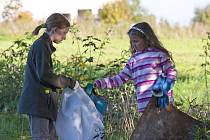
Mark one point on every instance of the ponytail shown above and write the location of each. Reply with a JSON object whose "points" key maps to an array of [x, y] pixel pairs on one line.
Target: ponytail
{"points": [[38, 28], [55, 20]]}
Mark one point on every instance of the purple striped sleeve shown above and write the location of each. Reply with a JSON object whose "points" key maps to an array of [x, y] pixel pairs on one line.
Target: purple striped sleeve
{"points": [[100, 84], [146, 82], [115, 81], [146, 99]]}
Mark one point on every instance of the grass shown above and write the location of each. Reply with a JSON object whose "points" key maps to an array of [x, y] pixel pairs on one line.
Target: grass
{"points": [[14, 127], [185, 51]]}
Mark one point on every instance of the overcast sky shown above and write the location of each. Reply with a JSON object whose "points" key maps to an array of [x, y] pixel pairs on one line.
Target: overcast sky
{"points": [[175, 11]]}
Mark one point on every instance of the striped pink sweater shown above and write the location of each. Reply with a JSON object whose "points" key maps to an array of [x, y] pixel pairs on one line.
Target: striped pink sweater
{"points": [[142, 68]]}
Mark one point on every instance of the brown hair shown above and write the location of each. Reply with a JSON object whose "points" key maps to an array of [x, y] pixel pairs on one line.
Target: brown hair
{"points": [[145, 31], [54, 20]]}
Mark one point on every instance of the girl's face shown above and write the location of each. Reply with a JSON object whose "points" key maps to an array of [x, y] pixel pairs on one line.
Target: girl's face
{"points": [[137, 43], [59, 35]]}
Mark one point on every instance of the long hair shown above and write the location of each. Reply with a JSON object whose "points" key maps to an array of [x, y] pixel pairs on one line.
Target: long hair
{"points": [[55, 20], [144, 30]]}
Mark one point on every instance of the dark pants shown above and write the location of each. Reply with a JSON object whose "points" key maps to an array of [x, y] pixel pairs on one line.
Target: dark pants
{"points": [[42, 128]]}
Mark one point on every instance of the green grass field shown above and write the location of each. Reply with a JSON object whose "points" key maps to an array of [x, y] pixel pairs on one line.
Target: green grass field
{"points": [[185, 51]]}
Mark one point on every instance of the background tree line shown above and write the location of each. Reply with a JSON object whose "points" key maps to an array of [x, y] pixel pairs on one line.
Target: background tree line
{"points": [[117, 14]]}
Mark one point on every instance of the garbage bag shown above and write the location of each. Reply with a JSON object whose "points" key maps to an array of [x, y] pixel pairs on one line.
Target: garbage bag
{"points": [[78, 118]]}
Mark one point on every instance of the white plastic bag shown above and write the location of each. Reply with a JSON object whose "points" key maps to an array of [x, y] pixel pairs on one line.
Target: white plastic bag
{"points": [[78, 118]]}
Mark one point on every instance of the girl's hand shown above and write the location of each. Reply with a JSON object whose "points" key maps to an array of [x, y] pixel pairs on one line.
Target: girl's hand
{"points": [[76, 85], [167, 85]]}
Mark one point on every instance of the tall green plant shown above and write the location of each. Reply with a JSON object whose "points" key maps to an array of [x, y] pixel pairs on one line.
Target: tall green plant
{"points": [[11, 73], [204, 132], [206, 68], [86, 60], [122, 114]]}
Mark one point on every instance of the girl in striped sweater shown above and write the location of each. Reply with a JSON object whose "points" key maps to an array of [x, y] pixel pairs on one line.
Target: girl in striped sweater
{"points": [[148, 61]]}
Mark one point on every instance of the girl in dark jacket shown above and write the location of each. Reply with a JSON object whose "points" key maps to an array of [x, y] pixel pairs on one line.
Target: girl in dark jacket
{"points": [[40, 82]]}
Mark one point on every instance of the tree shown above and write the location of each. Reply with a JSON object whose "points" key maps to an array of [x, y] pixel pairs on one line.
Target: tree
{"points": [[202, 15], [136, 10], [115, 12], [25, 17], [11, 10]]}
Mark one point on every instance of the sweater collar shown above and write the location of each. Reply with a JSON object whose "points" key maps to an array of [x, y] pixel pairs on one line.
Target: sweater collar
{"points": [[143, 51]]}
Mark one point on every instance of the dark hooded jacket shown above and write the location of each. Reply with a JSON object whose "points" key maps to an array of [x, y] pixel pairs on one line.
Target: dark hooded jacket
{"points": [[39, 81]]}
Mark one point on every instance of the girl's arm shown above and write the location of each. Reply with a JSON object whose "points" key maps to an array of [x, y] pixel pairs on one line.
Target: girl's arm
{"points": [[168, 67], [45, 73], [115, 81]]}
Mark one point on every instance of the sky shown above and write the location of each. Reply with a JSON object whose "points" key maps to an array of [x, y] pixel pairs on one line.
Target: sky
{"points": [[175, 11]]}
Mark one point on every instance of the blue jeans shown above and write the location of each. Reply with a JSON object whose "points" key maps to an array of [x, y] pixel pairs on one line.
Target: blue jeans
{"points": [[42, 128]]}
